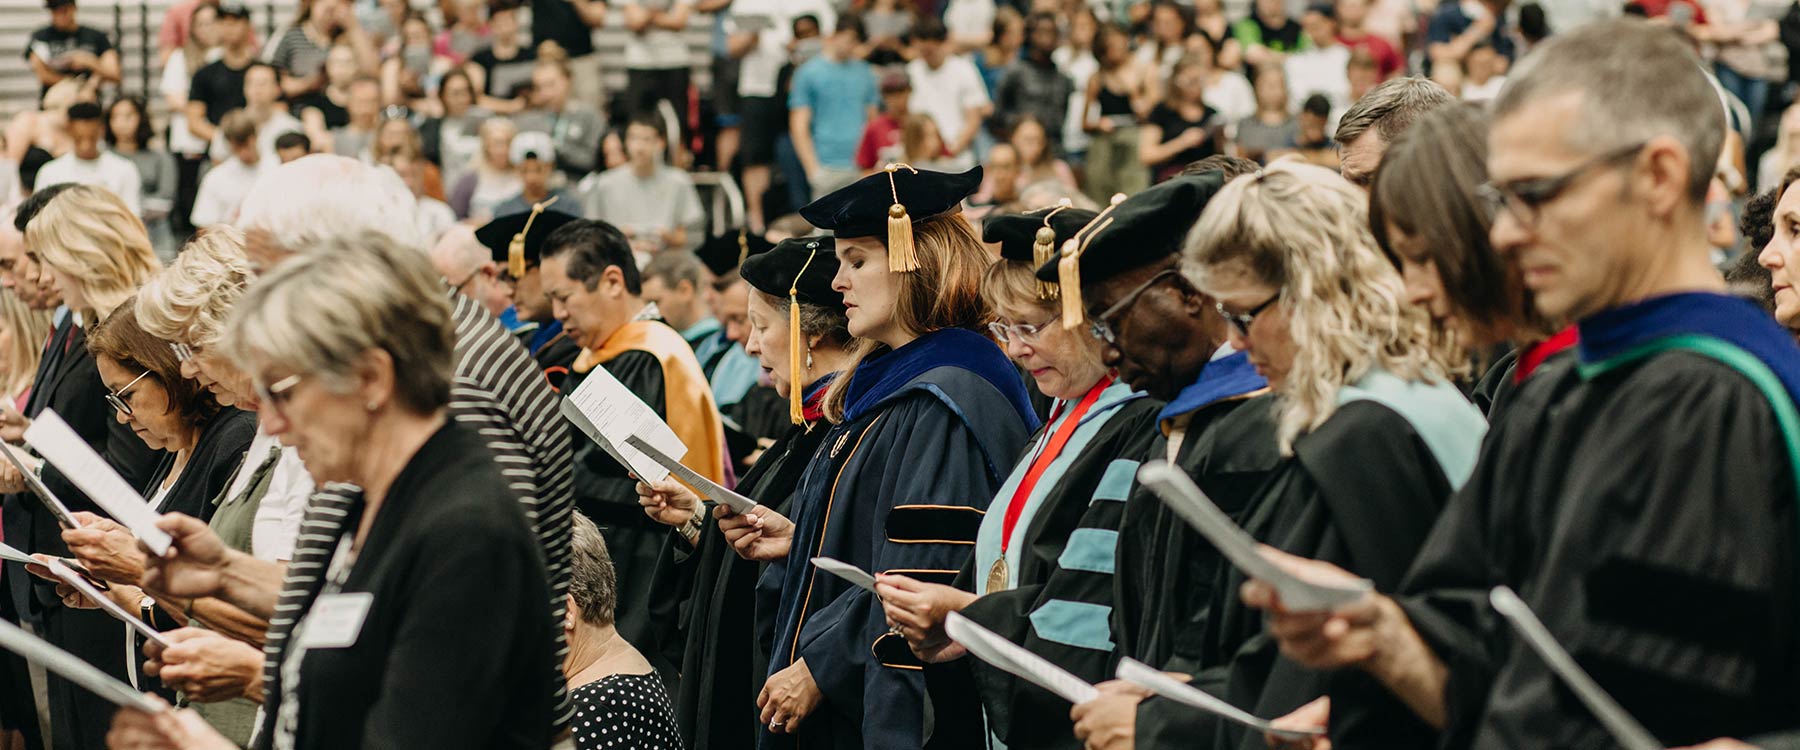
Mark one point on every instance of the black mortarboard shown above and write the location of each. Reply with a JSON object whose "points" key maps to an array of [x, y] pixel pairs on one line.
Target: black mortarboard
{"points": [[1034, 236], [890, 201], [800, 269], [517, 240], [1132, 233], [726, 252]]}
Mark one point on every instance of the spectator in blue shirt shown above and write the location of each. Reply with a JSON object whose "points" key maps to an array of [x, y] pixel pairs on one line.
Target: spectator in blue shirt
{"points": [[834, 96], [1458, 26]]}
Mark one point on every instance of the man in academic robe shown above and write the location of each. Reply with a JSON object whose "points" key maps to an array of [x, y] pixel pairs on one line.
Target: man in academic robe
{"points": [[516, 241], [1165, 338], [594, 287], [1639, 496]]}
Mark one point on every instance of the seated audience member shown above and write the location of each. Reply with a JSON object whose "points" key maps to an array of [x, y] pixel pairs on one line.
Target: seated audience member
{"points": [[224, 186], [536, 159], [653, 203], [86, 163], [619, 700], [291, 146]]}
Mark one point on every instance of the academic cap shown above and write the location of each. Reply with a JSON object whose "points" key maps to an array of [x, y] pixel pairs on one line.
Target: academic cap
{"points": [[517, 240], [891, 200], [801, 270], [1034, 236], [726, 252], [1132, 233]]}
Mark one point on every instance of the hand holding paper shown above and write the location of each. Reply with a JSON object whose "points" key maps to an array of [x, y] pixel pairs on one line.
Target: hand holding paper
{"points": [[855, 575], [1624, 728], [26, 466], [1016, 660], [59, 444], [1187, 500], [705, 487], [80, 584], [1138, 673]]}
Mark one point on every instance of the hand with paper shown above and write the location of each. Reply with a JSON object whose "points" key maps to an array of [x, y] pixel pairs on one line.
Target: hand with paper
{"points": [[106, 549], [164, 730], [1311, 719], [916, 610], [206, 666], [762, 534], [196, 564], [11, 481], [1109, 720], [667, 501]]}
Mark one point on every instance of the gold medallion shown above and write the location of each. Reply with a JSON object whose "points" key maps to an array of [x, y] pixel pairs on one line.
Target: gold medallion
{"points": [[997, 576]]}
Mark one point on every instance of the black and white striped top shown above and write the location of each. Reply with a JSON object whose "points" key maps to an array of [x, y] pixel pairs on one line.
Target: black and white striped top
{"points": [[499, 392]]}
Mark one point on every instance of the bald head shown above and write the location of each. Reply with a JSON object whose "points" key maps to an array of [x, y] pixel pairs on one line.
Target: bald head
{"points": [[458, 254], [309, 201]]}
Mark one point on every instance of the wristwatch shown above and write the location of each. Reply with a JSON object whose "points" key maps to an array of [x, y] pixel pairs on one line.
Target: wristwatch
{"points": [[690, 530]]}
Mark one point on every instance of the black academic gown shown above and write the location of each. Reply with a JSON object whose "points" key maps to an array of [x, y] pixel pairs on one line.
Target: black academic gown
{"points": [[898, 487], [1361, 492], [606, 493], [557, 358], [1648, 516], [1057, 585], [1166, 572], [724, 660], [70, 384]]}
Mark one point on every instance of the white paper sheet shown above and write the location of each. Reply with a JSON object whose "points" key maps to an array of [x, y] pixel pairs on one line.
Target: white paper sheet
{"points": [[73, 669], [53, 438], [610, 413], [50, 500], [856, 576], [69, 576], [1142, 675], [1187, 500], [1630, 734], [10, 553], [706, 487], [1016, 660]]}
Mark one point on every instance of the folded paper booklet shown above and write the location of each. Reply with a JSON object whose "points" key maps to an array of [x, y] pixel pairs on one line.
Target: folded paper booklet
{"points": [[706, 487], [1142, 675], [856, 576], [1623, 727], [10, 553], [1187, 500], [58, 443], [50, 500], [1014, 659], [57, 661], [610, 414], [69, 576]]}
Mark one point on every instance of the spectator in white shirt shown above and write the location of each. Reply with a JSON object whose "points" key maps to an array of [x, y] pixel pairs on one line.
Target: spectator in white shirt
{"points": [[1323, 67], [434, 215], [262, 97], [970, 24], [87, 164], [654, 204], [948, 90], [224, 185]]}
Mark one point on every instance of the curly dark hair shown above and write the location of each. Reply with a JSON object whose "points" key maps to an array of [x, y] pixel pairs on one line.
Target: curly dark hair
{"points": [[144, 130]]}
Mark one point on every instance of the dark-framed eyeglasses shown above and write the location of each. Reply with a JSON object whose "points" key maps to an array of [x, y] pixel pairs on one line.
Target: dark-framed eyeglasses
{"points": [[1101, 327], [1242, 321], [116, 399], [1525, 199], [277, 395], [1026, 332]]}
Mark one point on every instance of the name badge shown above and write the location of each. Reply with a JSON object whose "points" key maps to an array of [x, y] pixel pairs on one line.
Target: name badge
{"points": [[336, 620]]}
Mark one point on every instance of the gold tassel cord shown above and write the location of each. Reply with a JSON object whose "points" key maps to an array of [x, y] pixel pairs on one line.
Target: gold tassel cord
{"points": [[515, 250], [1043, 249], [796, 343], [902, 257], [743, 246], [1068, 270]]}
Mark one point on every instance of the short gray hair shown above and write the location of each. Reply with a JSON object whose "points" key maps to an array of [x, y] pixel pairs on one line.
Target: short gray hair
{"points": [[674, 267], [192, 300], [317, 197], [458, 254], [1390, 109], [593, 583], [1637, 81], [319, 312]]}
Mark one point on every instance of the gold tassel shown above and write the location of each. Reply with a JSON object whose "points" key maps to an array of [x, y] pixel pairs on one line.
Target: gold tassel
{"points": [[902, 257], [1043, 249], [743, 246], [1068, 270], [796, 343], [515, 250]]}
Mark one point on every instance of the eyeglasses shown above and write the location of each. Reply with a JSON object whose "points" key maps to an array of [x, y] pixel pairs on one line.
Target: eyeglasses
{"points": [[1525, 199], [1102, 329], [1241, 321], [1026, 332], [277, 395], [117, 398]]}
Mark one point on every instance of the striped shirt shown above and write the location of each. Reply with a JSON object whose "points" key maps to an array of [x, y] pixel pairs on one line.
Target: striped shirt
{"points": [[500, 393]]}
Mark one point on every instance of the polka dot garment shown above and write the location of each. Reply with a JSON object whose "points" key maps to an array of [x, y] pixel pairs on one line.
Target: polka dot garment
{"points": [[624, 712]]}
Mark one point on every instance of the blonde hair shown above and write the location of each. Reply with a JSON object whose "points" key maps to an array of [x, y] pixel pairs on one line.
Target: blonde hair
{"points": [[945, 292], [1301, 228], [192, 301], [1010, 288], [29, 329], [88, 233]]}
